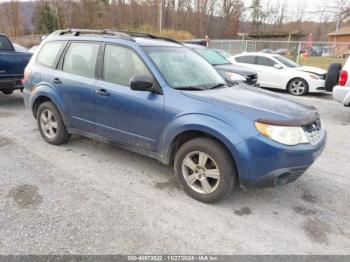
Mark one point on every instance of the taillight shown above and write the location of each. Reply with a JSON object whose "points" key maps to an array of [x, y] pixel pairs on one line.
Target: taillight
{"points": [[343, 78], [25, 76]]}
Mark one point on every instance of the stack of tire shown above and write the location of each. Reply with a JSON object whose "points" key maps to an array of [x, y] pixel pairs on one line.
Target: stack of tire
{"points": [[332, 76]]}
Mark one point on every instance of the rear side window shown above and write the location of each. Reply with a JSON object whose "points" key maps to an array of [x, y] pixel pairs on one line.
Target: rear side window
{"points": [[81, 59], [264, 61], [246, 59], [121, 64], [5, 44], [49, 53]]}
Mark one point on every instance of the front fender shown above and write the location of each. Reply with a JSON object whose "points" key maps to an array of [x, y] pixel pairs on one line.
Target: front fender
{"points": [[203, 123]]}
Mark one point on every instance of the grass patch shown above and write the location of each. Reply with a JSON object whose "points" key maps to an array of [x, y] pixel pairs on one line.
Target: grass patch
{"points": [[320, 61]]}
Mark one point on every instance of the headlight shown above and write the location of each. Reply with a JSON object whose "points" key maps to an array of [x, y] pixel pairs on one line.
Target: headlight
{"points": [[314, 76], [234, 76], [287, 135]]}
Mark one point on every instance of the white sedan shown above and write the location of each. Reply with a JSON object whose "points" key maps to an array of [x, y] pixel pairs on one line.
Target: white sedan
{"points": [[278, 72]]}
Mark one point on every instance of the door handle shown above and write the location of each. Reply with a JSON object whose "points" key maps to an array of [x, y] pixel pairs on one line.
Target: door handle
{"points": [[57, 81], [102, 92]]}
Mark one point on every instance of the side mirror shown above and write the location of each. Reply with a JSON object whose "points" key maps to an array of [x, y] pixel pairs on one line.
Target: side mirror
{"points": [[141, 83], [277, 66]]}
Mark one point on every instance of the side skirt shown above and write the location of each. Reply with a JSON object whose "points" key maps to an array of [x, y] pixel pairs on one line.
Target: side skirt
{"points": [[161, 158]]}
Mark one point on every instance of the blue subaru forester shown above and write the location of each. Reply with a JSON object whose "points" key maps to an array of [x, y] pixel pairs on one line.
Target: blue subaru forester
{"points": [[156, 97]]}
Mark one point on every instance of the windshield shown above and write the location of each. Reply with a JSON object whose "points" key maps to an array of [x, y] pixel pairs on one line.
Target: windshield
{"points": [[211, 56], [183, 68], [286, 61], [223, 53]]}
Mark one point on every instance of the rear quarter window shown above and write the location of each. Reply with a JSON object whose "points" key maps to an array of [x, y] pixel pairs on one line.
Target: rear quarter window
{"points": [[50, 52], [5, 44], [246, 59]]}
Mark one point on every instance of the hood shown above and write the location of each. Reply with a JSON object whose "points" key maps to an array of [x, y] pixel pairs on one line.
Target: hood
{"points": [[259, 104], [244, 71], [312, 69]]}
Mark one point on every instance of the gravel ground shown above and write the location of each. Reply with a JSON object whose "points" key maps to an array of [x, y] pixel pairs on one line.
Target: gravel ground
{"points": [[90, 198]]}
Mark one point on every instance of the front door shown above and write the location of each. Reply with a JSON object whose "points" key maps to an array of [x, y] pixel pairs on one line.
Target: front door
{"points": [[269, 76], [123, 115]]}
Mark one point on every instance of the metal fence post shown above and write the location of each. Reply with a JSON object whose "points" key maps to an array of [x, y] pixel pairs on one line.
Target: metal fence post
{"points": [[298, 53]]}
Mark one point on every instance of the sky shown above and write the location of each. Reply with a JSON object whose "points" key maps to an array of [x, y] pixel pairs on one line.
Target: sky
{"points": [[310, 10]]}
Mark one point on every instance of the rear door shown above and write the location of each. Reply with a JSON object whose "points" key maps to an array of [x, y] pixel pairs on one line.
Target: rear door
{"points": [[247, 60], [130, 117], [75, 81]]}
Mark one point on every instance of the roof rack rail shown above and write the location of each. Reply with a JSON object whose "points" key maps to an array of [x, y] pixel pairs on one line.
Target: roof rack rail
{"points": [[77, 32], [139, 34]]}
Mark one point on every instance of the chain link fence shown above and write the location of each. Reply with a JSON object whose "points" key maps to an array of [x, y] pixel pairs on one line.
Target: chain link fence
{"points": [[27, 40], [320, 54]]}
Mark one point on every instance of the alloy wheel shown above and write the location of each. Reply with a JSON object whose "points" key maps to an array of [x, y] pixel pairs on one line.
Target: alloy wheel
{"points": [[48, 124], [297, 87], [201, 172]]}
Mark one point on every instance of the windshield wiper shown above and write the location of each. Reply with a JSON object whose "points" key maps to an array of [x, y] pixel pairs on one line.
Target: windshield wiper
{"points": [[217, 86], [221, 64], [189, 88]]}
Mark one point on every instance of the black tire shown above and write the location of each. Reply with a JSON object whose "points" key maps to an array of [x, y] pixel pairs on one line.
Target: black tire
{"points": [[332, 76], [295, 80], [61, 135], [7, 91], [221, 187]]}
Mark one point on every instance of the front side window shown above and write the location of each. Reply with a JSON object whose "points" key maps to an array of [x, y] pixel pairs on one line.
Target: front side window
{"points": [[183, 68], [49, 53], [81, 59], [5, 44], [246, 59], [287, 62], [121, 64], [264, 61], [211, 56]]}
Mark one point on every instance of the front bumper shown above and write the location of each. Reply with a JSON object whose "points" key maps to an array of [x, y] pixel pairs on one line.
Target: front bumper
{"points": [[267, 163], [341, 94], [316, 86]]}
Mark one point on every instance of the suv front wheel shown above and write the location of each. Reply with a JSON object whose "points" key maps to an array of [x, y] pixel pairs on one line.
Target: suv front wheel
{"points": [[50, 124], [205, 169]]}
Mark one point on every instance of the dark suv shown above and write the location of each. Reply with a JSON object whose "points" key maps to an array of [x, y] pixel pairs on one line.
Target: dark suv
{"points": [[232, 73], [156, 97]]}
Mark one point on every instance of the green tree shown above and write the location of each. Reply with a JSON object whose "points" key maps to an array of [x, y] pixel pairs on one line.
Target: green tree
{"points": [[45, 18], [255, 10]]}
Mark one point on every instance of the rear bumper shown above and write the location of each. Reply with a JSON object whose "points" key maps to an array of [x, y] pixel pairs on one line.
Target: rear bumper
{"points": [[341, 94], [10, 84], [267, 163]]}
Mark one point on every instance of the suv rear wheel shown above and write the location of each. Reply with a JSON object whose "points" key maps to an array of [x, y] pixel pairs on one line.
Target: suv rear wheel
{"points": [[205, 170], [50, 124]]}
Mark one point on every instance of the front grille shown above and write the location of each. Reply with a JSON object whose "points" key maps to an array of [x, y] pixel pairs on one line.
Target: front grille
{"points": [[314, 132]]}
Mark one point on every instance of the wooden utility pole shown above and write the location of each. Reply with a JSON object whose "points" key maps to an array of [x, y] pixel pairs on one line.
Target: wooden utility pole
{"points": [[160, 15]]}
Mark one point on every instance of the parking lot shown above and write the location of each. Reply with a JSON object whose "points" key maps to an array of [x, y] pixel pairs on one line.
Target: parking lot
{"points": [[90, 198]]}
